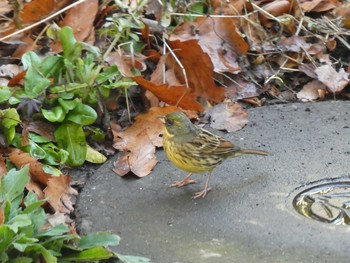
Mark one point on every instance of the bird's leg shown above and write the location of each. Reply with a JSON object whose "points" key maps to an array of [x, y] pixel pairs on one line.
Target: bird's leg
{"points": [[184, 181], [206, 189]]}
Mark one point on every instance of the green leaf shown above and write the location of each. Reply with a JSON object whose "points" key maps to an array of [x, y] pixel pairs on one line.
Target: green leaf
{"points": [[51, 65], [10, 118], [6, 237], [37, 138], [110, 74], [68, 88], [70, 137], [31, 202], [82, 114], [54, 155], [5, 94], [21, 260], [37, 248], [68, 105], [19, 221], [13, 184], [36, 151], [92, 254], [57, 230], [68, 42], [9, 121], [98, 239], [56, 114], [52, 170], [34, 80], [14, 100], [30, 59]]}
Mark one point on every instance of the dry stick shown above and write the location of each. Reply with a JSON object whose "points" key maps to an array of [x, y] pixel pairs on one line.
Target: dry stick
{"points": [[334, 27], [42, 21], [265, 12], [40, 35], [181, 66], [133, 64], [214, 16]]}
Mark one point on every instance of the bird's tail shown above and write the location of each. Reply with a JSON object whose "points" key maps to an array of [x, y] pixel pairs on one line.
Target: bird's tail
{"points": [[248, 151]]}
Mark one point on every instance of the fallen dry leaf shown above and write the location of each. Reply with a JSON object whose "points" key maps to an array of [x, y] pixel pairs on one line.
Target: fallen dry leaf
{"points": [[125, 62], [57, 190], [275, 8], [198, 69], [298, 44], [5, 7], [3, 169], [172, 95], [218, 37], [80, 18], [242, 89], [42, 128], [319, 5], [35, 187], [312, 91], [138, 143], [140, 161], [335, 81], [37, 9], [308, 69], [59, 194], [228, 116], [20, 158]]}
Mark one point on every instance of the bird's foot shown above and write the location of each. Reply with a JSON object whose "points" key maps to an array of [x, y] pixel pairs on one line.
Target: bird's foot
{"points": [[202, 193], [183, 183]]}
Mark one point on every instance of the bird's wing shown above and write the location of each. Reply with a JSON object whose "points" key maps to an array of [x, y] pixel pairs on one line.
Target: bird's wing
{"points": [[207, 142]]}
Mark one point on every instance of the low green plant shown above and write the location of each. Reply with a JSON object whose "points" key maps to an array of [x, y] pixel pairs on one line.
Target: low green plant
{"points": [[64, 89], [26, 235]]}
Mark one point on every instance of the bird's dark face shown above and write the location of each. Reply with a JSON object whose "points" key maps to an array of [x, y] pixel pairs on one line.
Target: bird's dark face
{"points": [[176, 123]]}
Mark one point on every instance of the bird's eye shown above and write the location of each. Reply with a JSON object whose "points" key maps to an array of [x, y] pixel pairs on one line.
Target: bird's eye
{"points": [[168, 122]]}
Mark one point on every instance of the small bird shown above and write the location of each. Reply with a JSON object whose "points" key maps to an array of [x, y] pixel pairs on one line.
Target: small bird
{"points": [[196, 150]]}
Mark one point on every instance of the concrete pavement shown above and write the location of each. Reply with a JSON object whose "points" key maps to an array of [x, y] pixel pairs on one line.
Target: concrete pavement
{"points": [[249, 214]]}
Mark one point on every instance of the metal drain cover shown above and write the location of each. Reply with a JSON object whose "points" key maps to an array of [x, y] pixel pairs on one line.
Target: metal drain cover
{"points": [[326, 201]]}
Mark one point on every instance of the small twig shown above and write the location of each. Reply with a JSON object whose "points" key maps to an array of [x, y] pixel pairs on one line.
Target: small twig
{"points": [[131, 51], [274, 76], [40, 35], [178, 61], [42, 21], [180, 65], [265, 12], [133, 64], [204, 15]]}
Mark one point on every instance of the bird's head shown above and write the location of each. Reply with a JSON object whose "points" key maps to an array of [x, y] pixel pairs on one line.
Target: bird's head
{"points": [[176, 123]]}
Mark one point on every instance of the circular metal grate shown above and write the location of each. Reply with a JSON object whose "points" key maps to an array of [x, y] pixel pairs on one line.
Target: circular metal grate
{"points": [[327, 202]]}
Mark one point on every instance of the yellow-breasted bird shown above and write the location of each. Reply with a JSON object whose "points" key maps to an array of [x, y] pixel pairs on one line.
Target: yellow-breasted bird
{"points": [[196, 150]]}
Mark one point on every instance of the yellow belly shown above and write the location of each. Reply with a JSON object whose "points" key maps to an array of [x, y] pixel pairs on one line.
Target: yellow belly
{"points": [[188, 164]]}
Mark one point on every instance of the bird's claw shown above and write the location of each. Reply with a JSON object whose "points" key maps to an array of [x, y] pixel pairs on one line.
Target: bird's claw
{"points": [[183, 183], [202, 193]]}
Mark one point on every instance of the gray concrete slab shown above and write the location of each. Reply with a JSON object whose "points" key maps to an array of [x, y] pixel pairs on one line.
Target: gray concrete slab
{"points": [[248, 216]]}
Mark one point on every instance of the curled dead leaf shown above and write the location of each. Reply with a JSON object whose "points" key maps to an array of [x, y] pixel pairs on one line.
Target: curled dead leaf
{"points": [[312, 91], [334, 81], [59, 194], [138, 143], [228, 116]]}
